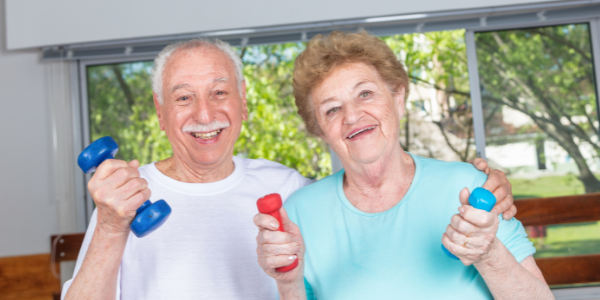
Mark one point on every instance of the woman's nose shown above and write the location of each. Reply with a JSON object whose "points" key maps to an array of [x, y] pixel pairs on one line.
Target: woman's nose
{"points": [[352, 114]]}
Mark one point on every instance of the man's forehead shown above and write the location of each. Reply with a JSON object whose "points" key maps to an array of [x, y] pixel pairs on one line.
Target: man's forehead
{"points": [[209, 63], [187, 85]]}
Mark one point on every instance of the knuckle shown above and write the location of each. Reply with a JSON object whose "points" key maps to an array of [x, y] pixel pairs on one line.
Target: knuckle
{"points": [[503, 191], [270, 262], [139, 197], [267, 235], [256, 219], [487, 219], [138, 183], [260, 239], [120, 173]]}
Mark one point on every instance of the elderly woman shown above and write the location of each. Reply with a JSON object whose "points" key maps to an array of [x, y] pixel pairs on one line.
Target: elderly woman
{"points": [[373, 230]]}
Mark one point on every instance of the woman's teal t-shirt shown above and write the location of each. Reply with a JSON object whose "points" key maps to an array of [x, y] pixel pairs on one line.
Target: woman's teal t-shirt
{"points": [[395, 254]]}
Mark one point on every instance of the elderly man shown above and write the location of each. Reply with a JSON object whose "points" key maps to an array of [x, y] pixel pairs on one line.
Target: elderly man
{"points": [[206, 250]]}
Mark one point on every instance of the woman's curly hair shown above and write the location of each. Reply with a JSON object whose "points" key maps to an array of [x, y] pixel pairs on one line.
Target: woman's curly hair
{"points": [[324, 53]]}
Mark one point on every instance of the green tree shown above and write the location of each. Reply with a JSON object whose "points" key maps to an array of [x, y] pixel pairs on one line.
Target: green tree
{"points": [[547, 74], [438, 60]]}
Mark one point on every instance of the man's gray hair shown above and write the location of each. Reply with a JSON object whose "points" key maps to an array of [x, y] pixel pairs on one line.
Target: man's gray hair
{"points": [[161, 60]]}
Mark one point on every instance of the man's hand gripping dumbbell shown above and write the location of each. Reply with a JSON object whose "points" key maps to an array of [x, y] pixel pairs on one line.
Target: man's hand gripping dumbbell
{"points": [[121, 196]]}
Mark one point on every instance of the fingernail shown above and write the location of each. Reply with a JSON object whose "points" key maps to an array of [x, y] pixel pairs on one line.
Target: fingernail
{"points": [[274, 225], [292, 257], [461, 209]]}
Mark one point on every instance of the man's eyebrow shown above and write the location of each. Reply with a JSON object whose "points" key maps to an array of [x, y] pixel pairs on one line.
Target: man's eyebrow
{"points": [[179, 86]]}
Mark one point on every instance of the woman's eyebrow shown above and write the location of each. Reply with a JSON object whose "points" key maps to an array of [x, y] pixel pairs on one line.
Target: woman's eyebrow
{"points": [[361, 83], [326, 100]]}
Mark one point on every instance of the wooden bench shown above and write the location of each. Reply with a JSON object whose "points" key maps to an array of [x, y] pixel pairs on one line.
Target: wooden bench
{"points": [[65, 247], [531, 212], [564, 210]]}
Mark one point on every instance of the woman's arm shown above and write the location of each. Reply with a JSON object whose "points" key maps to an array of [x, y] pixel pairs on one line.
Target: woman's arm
{"points": [[471, 236], [507, 279]]}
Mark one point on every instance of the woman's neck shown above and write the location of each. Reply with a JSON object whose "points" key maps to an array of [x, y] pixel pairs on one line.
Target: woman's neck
{"points": [[378, 186]]}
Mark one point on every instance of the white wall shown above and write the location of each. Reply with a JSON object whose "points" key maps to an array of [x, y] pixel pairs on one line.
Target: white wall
{"points": [[35, 23], [34, 202]]}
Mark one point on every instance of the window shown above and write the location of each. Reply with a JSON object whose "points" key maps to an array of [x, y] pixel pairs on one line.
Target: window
{"points": [[541, 121]]}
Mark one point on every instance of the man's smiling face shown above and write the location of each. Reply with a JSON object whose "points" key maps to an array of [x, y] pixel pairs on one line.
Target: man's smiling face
{"points": [[203, 105]]}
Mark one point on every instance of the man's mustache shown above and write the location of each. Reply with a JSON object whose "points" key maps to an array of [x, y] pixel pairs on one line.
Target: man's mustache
{"points": [[212, 126]]}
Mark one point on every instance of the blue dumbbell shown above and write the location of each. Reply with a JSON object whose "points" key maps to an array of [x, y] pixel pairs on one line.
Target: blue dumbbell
{"points": [[480, 198], [150, 215]]}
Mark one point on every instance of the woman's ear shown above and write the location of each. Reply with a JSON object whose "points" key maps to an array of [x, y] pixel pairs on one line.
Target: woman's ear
{"points": [[400, 101]]}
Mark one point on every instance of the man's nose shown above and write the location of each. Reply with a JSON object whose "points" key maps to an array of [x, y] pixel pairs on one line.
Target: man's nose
{"points": [[204, 112]]}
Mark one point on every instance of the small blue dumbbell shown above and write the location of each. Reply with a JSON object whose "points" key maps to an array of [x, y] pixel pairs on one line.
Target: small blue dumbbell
{"points": [[150, 215], [480, 198]]}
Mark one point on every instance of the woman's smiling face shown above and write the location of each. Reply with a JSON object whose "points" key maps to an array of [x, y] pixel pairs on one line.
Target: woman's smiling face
{"points": [[358, 113]]}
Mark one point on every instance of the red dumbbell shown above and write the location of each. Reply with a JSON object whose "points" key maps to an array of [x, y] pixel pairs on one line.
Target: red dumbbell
{"points": [[270, 204]]}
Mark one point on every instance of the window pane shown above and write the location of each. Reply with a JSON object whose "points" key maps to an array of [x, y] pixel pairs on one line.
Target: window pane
{"points": [[438, 121], [541, 121], [121, 105]]}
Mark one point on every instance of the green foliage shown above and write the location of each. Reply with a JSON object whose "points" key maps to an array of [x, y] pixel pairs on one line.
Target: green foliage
{"points": [[546, 74], [437, 60], [121, 105], [274, 129], [541, 71]]}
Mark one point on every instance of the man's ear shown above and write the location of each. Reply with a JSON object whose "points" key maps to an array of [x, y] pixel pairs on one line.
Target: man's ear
{"points": [[244, 102], [158, 113]]}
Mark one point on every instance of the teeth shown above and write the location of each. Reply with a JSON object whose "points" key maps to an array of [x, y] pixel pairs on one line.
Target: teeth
{"points": [[206, 136], [362, 130]]}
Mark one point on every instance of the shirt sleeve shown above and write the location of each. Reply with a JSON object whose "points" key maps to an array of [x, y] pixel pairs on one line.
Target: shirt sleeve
{"points": [[310, 294], [297, 181], [512, 234], [82, 252]]}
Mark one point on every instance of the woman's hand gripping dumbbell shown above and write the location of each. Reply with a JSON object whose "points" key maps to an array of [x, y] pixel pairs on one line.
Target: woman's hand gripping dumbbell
{"points": [[475, 223], [280, 246], [121, 196]]}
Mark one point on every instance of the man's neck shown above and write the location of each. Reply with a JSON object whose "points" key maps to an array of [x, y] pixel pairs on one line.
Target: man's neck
{"points": [[183, 171]]}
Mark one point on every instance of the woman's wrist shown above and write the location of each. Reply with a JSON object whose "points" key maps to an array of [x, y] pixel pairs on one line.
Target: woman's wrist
{"points": [[291, 290], [494, 258]]}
